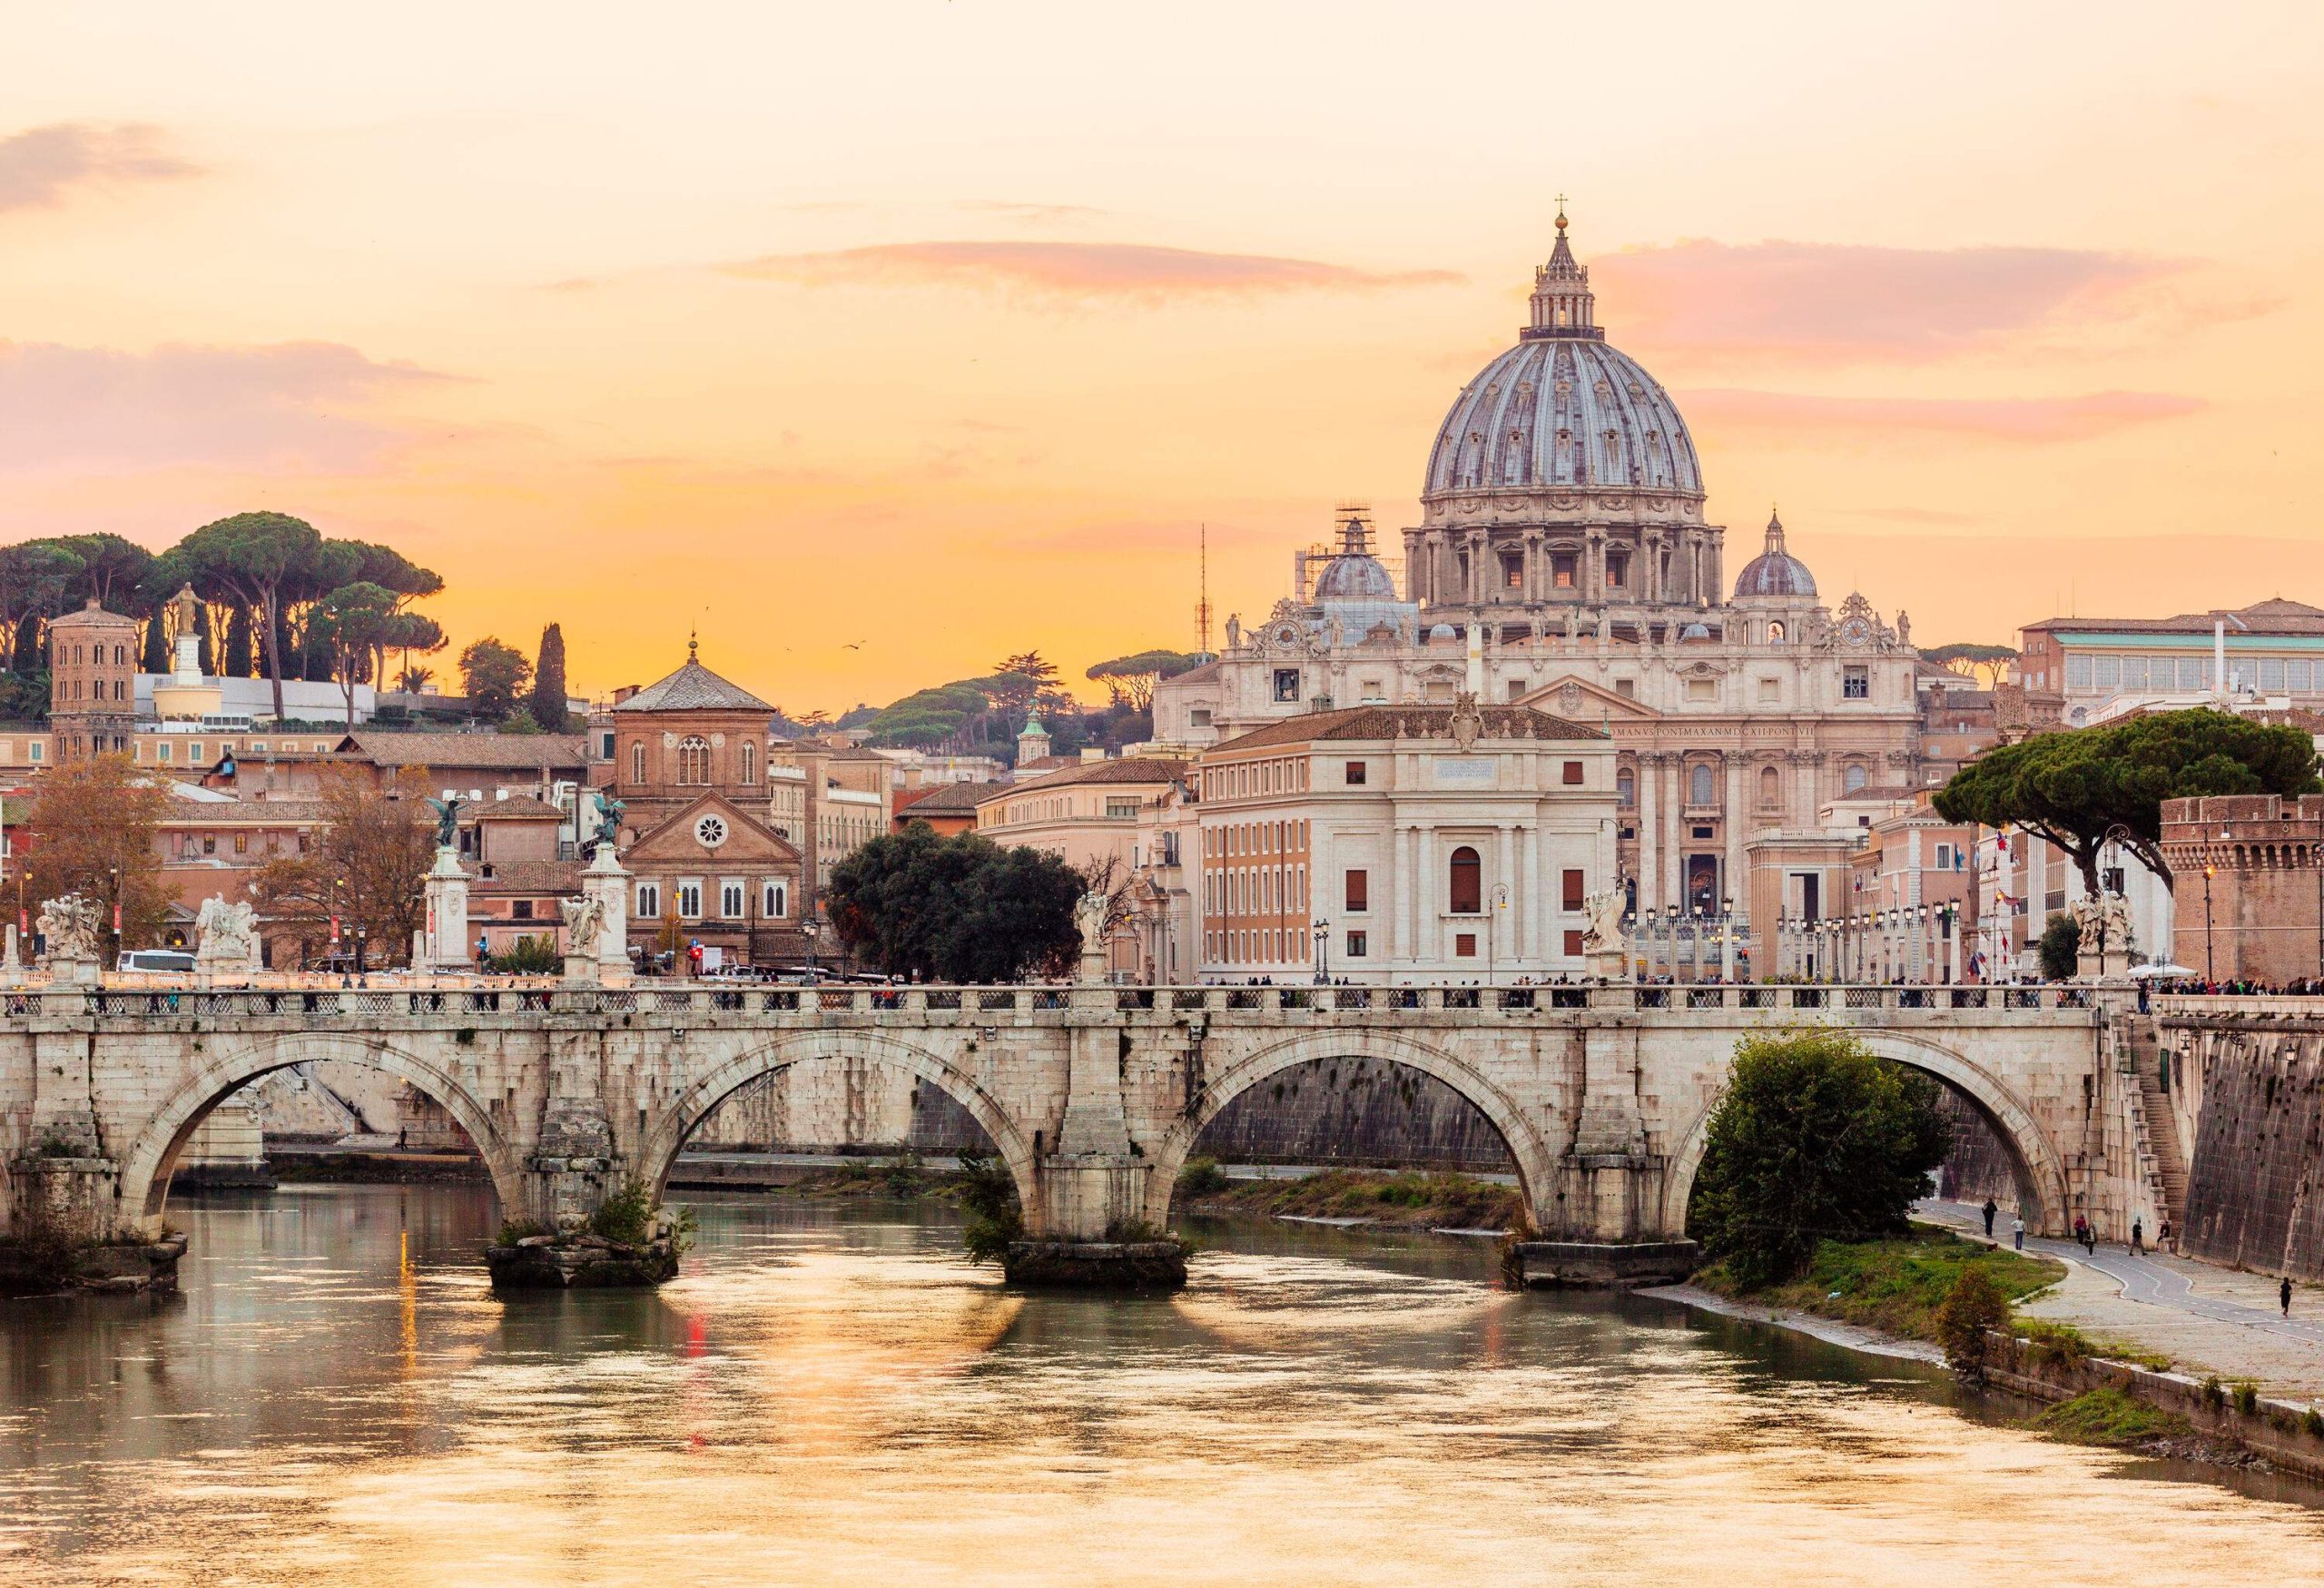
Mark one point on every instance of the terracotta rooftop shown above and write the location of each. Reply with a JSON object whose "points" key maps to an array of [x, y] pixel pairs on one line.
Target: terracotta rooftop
{"points": [[1143, 769], [950, 799], [527, 876], [694, 688], [2274, 616], [497, 752], [523, 807], [1407, 722]]}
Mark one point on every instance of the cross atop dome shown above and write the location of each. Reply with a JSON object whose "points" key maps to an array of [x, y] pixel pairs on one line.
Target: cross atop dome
{"points": [[1562, 303]]}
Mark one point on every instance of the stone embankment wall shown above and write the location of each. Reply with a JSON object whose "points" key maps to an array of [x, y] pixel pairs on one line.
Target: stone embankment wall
{"points": [[1979, 1166], [2253, 1193]]}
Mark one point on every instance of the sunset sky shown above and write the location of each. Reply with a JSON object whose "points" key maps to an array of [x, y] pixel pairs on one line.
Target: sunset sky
{"points": [[938, 327]]}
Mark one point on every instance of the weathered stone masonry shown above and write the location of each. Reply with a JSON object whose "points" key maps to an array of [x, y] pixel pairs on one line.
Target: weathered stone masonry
{"points": [[1093, 1096]]}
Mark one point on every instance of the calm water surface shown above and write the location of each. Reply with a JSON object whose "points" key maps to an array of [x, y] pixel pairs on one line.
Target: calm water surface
{"points": [[833, 1396]]}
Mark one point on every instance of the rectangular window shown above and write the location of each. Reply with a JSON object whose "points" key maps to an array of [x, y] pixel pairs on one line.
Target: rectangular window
{"points": [[2296, 674], [605, 746], [690, 900], [1359, 890], [1354, 775], [2078, 672], [1286, 683], [1571, 777], [2134, 672], [241, 843], [1564, 569], [210, 846], [730, 899], [520, 909], [192, 752], [772, 902], [1618, 570], [1626, 688], [1121, 809], [161, 754], [2106, 671], [1573, 946], [1855, 684], [1944, 857], [2271, 673], [1200, 716], [1570, 889], [1770, 689], [1359, 944], [2193, 672], [35, 748], [1465, 945], [649, 901]]}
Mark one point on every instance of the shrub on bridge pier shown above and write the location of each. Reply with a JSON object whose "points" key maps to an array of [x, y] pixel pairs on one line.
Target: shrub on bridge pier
{"points": [[1815, 1139]]}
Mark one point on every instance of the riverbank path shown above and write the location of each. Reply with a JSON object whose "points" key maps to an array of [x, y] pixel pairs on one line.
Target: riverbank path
{"points": [[2205, 1318]]}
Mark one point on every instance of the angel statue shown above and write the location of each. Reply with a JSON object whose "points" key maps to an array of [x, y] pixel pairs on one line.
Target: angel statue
{"points": [[69, 927], [609, 815], [584, 923], [1606, 909], [447, 820]]}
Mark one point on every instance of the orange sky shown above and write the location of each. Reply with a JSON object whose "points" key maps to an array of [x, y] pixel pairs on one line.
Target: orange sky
{"points": [[939, 327]]}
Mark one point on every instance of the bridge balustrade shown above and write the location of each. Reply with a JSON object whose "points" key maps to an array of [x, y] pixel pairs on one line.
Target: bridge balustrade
{"points": [[1517, 997], [1968, 997], [991, 1001], [1352, 998], [1184, 999], [1131, 999], [835, 1000], [1706, 998], [1653, 997], [943, 997]]}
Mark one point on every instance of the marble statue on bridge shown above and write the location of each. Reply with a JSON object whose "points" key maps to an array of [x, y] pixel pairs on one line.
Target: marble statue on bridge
{"points": [[69, 927], [229, 933]]}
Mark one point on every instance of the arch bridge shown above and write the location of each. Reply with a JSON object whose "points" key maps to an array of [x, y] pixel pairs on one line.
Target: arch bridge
{"points": [[1093, 1095]]}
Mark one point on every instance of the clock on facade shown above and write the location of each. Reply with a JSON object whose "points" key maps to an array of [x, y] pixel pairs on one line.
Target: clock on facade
{"points": [[710, 831], [1857, 631]]}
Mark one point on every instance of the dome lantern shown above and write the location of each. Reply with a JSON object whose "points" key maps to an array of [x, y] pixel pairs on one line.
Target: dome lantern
{"points": [[1562, 303]]}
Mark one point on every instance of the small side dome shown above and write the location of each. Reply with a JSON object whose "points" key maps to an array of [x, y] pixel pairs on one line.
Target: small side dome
{"points": [[1442, 631], [1355, 578], [1775, 574], [1694, 631]]}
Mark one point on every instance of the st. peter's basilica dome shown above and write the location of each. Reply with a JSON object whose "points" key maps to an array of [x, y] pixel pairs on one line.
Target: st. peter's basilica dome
{"points": [[1561, 411]]}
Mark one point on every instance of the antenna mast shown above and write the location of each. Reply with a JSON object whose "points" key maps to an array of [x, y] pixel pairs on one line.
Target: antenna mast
{"points": [[1202, 607]]}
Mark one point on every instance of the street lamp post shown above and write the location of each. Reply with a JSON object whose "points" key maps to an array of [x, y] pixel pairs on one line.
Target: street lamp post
{"points": [[1323, 929], [2207, 976], [812, 931], [1499, 902], [1726, 937]]}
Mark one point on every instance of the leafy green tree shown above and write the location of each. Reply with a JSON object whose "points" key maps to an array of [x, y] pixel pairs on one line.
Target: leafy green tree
{"points": [[34, 578], [2074, 788], [1992, 661], [155, 657], [1814, 1139], [2059, 949], [520, 722], [253, 560], [113, 571], [241, 645], [957, 909], [347, 625], [1965, 1320], [1129, 680], [494, 674], [989, 1198], [548, 707]]}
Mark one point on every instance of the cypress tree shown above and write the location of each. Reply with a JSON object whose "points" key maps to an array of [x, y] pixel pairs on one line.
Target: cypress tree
{"points": [[241, 653], [548, 681], [157, 658]]}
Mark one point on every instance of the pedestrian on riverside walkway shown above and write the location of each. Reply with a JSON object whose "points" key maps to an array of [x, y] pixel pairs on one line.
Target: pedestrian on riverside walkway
{"points": [[2162, 1234], [1992, 1208], [2017, 1230], [2137, 1236], [2080, 1231], [2283, 1295]]}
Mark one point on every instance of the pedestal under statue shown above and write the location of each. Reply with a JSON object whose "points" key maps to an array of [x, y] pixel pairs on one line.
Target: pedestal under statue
{"points": [[448, 914]]}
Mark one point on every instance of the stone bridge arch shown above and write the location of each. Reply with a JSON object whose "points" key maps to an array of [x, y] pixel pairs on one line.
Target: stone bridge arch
{"points": [[1528, 1148], [658, 1152], [2039, 1167], [238, 1060]]}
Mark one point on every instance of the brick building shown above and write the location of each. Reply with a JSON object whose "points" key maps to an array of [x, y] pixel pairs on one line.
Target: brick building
{"points": [[92, 682], [2248, 881]]}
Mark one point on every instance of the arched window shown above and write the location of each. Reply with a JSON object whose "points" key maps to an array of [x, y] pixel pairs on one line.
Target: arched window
{"points": [[1626, 788], [694, 760], [1770, 788], [750, 763], [638, 761], [1854, 778], [1701, 787], [1468, 893]]}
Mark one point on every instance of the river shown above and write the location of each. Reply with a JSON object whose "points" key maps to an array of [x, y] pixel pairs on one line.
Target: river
{"points": [[832, 1396]]}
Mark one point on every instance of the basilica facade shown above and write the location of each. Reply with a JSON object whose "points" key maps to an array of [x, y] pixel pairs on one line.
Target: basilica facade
{"points": [[1564, 561]]}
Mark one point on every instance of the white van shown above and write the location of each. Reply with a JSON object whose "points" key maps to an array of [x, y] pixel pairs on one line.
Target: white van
{"points": [[165, 959]]}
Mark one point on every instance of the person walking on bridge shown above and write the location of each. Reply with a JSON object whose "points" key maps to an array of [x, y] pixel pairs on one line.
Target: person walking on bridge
{"points": [[1991, 1208]]}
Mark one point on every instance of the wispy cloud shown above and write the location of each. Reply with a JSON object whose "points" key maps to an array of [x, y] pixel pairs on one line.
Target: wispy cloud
{"points": [[1036, 214], [1804, 417], [1076, 269], [1833, 302], [41, 166], [293, 406]]}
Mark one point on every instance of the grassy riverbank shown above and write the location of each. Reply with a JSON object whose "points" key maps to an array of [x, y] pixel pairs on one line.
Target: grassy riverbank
{"points": [[1406, 1199], [1895, 1286]]}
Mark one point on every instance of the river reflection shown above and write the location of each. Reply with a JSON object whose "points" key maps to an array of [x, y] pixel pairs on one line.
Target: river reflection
{"points": [[834, 1396]]}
